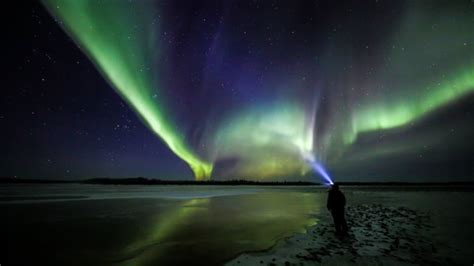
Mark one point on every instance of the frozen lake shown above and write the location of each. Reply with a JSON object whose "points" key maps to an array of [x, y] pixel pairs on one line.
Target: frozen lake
{"points": [[71, 224]]}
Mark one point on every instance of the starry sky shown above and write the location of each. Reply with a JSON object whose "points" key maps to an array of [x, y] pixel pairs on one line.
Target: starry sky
{"points": [[372, 90]]}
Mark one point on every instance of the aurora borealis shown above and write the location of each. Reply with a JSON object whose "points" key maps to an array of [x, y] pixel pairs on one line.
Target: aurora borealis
{"points": [[125, 55], [252, 89]]}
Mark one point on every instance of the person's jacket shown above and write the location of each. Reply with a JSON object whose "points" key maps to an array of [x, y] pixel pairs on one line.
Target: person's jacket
{"points": [[336, 200]]}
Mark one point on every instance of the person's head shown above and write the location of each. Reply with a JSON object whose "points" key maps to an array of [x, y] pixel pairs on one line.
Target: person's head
{"points": [[335, 186]]}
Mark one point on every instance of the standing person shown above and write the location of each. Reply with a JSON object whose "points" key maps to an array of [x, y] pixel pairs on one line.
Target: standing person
{"points": [[336, 204]]}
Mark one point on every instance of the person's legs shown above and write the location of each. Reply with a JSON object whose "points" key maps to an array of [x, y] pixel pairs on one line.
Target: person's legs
{"points": [[343, 222], [337, 221]]}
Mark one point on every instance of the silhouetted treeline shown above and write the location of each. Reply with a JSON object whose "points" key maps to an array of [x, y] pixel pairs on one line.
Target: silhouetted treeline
{"points": [[151, 181], [454, 183], [147, 181]]}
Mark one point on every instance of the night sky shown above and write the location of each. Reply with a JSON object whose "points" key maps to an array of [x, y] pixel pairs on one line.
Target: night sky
{"points": [[261, 90]]}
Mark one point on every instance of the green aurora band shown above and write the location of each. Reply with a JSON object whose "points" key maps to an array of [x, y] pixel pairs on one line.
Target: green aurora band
{"points": [[378, 117], [411, 60], [106, 33]]}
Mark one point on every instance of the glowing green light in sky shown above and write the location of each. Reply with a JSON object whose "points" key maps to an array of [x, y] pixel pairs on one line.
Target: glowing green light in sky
{"points": [[122, 45], [385, 116], [425, 63], [269, 139]]}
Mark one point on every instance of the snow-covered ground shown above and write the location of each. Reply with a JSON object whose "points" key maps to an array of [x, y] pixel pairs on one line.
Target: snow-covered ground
{"points": [[399, 227]]}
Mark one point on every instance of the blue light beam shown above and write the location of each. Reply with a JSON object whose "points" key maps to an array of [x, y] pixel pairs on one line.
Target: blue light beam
{"points": [[319, 168]]}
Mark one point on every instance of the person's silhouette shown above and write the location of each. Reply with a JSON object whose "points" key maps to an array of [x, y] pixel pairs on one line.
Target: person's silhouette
{"points": [[336, 203]]}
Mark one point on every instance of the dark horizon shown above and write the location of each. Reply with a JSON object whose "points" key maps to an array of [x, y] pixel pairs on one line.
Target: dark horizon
{"points": [[155, 181]]}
